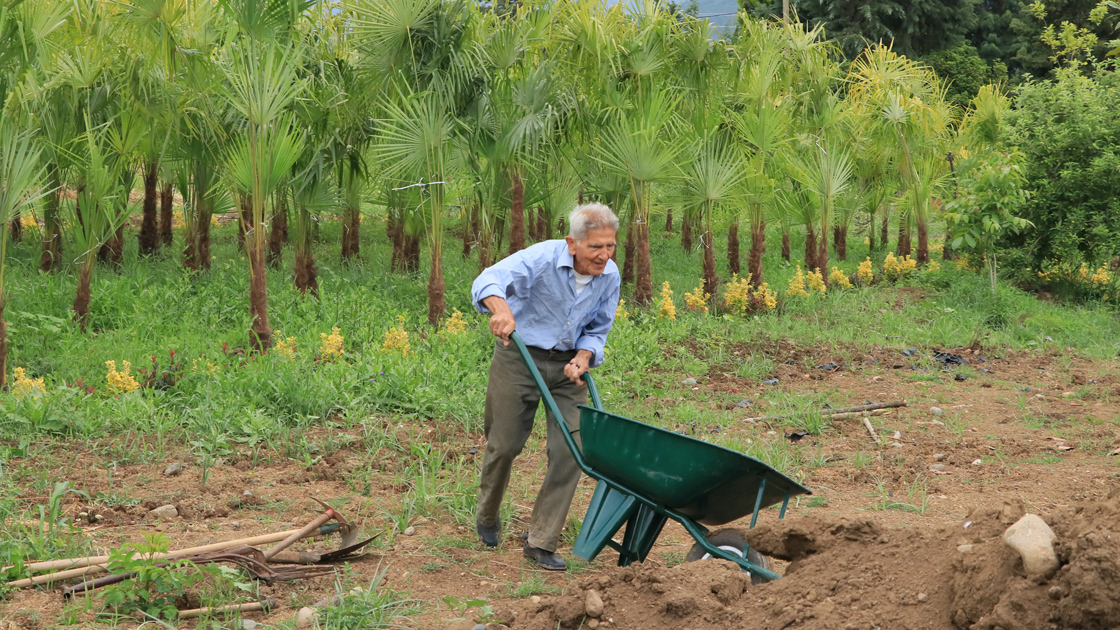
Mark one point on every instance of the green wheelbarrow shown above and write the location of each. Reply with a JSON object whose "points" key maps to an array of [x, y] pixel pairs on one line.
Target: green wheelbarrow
{"points": [[647, 475]]}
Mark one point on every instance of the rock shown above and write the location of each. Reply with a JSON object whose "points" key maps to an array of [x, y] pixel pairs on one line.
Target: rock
{"points": [[235, 526], [462, 624], [897, 435], [937, 411], [1032, 343], [772, 381], [173, 469], [246, 493], [1034, 540], [164, 512], [536, 599], [977, 462], [689, 381], [877, 379], [592, 623], [593, 605], [410, 531], [938, 457], [896, 444], [964, 548], [249, 624], [960, 377], [305, 618], [1055, 592], [478, 626], [1049, 339], [922, 597], [938, 467], [743, 404]]}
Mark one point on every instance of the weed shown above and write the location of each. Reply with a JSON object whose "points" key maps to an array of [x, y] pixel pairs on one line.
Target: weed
{"points": [[535, 584]]}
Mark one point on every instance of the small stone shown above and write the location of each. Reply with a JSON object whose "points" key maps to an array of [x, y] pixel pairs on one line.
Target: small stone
{"points": [[97, 517], [937, 411], [305, 618], [246, 494], [922, 597], [235, 526], [1034, 540], [897, 435], [410, 531], [877, 379], [249, 624], [938, 457], [164, 511], [960, 377], [1049, 339], [896, 444], [173, 469], [592, 623], [479, 626], [462, 624], [593, 605], [1039, 397], [938, 467], [772, 381], [536, 599], [743, 404], [689, 381], [1055, 592], [977, 462], [964, 548], [83, 514]]}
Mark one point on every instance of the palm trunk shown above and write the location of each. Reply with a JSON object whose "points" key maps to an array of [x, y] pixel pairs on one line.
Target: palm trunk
{"points": [[50, 258], [470, 230], [733, 262], [542, 225], [260, 332], [351, 222], [166, 214], [306, 274], [16, 228], [686, 234], [517, 213], [204, 239], [394, 229], [840, 241], [884, 231], [191, 260], [785, 244], [276, 235], [81, 297], [903, 247], [810, 248], [946, 250], [758, 248], [436, 305], [149, 222], [112, 252], [643, 276], [412, 253], [871, 233], [244, 220], [711, 282], [628, 260], [923, 243], [669, 221]]}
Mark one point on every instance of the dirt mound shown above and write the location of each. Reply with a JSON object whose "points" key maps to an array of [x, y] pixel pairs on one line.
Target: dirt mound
{"points": [[848, 574]]}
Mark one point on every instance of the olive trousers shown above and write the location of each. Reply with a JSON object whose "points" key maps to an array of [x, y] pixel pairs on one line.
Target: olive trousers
{"points": [[512, 399]]}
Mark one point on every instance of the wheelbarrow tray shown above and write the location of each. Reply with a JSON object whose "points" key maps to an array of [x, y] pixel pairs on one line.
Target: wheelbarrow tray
{"points": [[707, 483]]}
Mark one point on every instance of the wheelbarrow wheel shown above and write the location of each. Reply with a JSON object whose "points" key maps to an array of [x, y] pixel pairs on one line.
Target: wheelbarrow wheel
{"points": [[733, 541]]}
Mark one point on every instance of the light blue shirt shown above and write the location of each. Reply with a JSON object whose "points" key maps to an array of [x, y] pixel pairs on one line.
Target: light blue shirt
{"points": [[539, 285]]}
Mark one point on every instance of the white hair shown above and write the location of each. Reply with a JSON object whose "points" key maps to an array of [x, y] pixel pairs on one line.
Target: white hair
{"points": [[590, 216]]}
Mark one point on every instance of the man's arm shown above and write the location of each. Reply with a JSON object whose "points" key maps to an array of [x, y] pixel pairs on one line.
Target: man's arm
{"points": [[593, 338], [501, 318]]}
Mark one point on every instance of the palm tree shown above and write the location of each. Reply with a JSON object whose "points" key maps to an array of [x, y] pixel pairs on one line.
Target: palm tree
{"points": [[21, 172], [261, 87]]}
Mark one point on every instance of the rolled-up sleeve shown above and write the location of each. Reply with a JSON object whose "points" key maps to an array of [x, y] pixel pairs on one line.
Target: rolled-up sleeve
{"points": [[594, 335], [512, 275]]}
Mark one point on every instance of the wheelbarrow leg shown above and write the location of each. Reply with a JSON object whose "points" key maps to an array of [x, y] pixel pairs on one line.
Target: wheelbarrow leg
{"points": [[608, 511], [642, 531]]}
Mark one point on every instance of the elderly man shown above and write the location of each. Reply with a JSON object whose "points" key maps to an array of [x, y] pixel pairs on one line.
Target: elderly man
{"points": [[561, 296]]}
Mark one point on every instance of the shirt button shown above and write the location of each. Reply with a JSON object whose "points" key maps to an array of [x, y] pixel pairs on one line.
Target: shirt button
{"points": [[569, 323]]}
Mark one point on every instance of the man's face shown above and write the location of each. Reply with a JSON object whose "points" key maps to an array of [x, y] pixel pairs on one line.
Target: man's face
{"points": [[591, 254]]}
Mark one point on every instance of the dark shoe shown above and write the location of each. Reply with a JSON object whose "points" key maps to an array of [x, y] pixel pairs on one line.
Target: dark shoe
{"points": [[489, 535], [546, 559]]}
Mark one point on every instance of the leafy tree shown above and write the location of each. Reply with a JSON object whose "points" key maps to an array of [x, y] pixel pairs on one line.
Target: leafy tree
{"points": [[964, 72]]}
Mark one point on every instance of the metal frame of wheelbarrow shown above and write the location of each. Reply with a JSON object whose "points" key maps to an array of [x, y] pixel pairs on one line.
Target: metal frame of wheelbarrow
{"points": [[614, 505]]}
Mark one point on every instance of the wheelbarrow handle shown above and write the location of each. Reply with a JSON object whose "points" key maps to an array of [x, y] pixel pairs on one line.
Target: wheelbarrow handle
{"points": [[550, 402]]}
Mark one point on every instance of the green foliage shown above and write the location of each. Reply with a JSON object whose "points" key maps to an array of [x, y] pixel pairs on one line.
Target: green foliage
{"points": [[991, 195], [965, 71], [1068, 132], [367, 609], [154, 589]]}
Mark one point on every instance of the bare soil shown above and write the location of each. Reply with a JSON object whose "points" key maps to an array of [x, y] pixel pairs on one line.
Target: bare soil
{"points": [[883, 527]]}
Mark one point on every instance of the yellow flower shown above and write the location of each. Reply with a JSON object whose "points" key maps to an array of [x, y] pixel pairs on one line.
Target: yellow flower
{"points": [[286, 346], [768, 298], [737, 294], [865, 274], [666, 309], [455, 325], [839, 279], [331, 348], [620, 313], [396, 339], [867, 241], [120, 382], [797, 284], [816, 280], [697, 300], [934, 266], [25, 386], [1101, 276]]}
